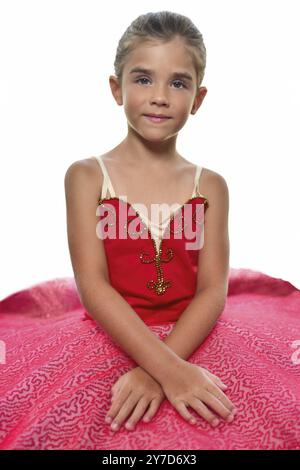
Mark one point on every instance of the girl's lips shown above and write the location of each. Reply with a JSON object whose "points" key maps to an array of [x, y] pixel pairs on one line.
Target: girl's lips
{"points": [[157, 119]]}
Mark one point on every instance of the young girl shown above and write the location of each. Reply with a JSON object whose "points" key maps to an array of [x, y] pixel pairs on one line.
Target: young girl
{"points": [[128, 283], [157, 327]]}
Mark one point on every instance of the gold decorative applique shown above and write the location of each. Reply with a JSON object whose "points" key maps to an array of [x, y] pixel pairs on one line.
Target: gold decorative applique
{"points": [[160, 285]]}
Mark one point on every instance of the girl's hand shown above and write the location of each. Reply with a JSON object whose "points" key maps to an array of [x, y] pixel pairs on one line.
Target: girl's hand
{"points": [[194, 386], [134, 391]]}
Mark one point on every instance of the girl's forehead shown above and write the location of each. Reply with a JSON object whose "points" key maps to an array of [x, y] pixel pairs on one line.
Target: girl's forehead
{"points": [[150, 45], [153, 56]]}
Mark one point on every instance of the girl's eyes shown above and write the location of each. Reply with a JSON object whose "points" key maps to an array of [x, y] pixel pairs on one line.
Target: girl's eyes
{"points": [[145, 78]]}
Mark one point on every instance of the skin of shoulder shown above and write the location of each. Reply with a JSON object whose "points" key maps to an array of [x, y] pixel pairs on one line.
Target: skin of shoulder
{"points": [[82, 186], [213, 263]]}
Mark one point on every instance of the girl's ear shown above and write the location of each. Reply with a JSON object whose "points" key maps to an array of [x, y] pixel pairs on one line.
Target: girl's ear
{"points": [[116, 89], [202, 91]]}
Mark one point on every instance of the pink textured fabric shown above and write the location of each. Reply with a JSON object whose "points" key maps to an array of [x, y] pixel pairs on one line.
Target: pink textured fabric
{"points": [[60, 366]]}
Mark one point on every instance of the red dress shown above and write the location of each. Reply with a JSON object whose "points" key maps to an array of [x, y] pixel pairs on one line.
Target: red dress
{"points": [[156, 275], [57, 365]]}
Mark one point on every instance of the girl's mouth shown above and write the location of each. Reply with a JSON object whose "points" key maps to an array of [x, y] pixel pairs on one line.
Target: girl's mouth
{"points": [[157, 119]]}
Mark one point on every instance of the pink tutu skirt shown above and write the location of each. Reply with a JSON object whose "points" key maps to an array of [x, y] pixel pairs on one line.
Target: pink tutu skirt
{"points": [[57, 368]]}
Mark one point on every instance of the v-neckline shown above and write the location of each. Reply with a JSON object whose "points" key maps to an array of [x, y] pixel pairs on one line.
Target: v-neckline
{"points": [[160, 238], [135, 204], [143, 218], [149, 222]]}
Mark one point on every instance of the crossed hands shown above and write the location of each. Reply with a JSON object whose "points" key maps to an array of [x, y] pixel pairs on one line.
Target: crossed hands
{"points": [[137, 392]]}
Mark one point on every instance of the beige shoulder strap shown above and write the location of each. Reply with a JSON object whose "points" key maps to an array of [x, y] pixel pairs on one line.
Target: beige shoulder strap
{"points": [[197, 181], [107, 185]]}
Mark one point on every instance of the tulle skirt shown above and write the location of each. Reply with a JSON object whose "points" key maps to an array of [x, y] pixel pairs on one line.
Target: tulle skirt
{"points": [[57, 368]]}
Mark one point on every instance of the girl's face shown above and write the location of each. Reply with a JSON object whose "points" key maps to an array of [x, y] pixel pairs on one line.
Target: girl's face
{"points": [[151, 84]]}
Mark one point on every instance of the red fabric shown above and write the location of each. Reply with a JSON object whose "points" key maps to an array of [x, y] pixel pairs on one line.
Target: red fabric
{"points": [[129, 275], [60, 367]]}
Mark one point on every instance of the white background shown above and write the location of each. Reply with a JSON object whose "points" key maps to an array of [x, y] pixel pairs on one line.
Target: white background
{"points": [[56, 107]]}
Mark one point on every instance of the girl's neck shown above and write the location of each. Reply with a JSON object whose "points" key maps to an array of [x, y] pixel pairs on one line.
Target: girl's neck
{"points": [[149, 155]]}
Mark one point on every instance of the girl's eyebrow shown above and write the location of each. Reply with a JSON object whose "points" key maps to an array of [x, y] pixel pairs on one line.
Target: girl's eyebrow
{"points": [[149, 72]]}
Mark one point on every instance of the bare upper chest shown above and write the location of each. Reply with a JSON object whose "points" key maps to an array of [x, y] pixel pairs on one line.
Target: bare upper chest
{"points": [[167, 186]]}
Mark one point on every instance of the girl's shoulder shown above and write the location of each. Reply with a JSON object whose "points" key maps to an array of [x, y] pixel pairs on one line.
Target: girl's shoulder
{"points": [[211, 177], [91, 166], [214, 186], [208, 177], [94, 164], [85, 172], [212, 183], [208, 181]]}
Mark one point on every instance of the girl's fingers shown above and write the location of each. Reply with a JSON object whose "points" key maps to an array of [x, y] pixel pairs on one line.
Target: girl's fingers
{"points": [[221, 385], [154, 405], [114, 389], [202, 410], [220, 395], [183, 411], [117, 404], [199, 407], [217, 380], [218, 406], [123, 413], [138, 412]]}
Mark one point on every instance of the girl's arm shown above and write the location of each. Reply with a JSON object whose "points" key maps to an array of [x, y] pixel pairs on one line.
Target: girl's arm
{"points": [[99, 298], [200, 316]]}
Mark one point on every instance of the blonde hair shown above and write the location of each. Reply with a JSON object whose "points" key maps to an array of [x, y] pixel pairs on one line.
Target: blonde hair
{"points": [[162, 25]]}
